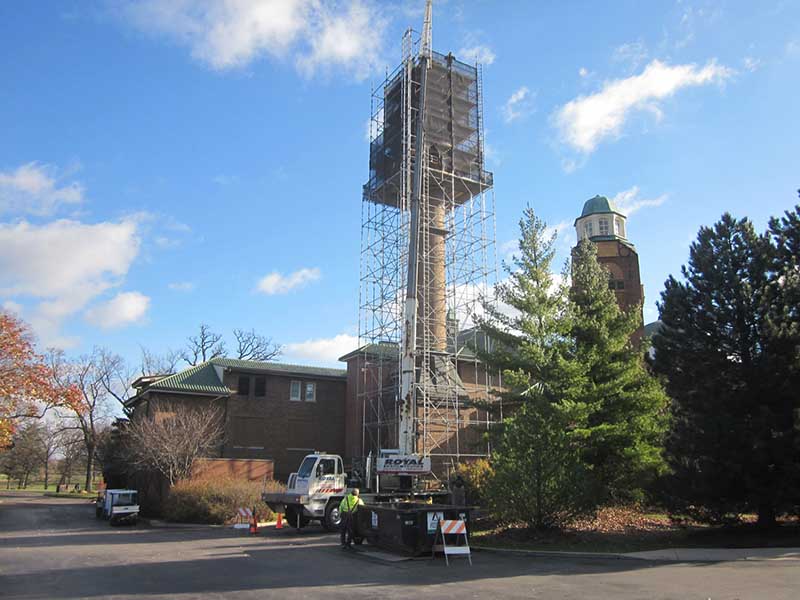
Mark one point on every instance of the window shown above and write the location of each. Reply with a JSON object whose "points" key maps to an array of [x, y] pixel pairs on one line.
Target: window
{"points": [[260, 387], [620, 227], [311, 389], [307, 466], [244, 385], [294, 393], [588, 229], [326, 466], [603, 226]]}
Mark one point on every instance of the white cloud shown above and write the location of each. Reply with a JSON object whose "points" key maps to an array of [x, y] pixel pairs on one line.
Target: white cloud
{"points": [[588, 120], [12, 307], [63, 265], [123, 309], [35, 189], [518, 105], [231, 34], [477, 54], [493, 156], [181, 286], [632, 54], [793, 48], [583, 72], [276, 283], [350, 38], [629, 202], [751, 64], [322, 350]]}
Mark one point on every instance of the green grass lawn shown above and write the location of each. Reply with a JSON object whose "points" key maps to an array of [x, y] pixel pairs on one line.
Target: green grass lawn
{"points": [[38, 486]]}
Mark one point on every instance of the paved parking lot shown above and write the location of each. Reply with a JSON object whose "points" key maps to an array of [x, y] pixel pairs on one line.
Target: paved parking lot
{"points": [[54, 548]]}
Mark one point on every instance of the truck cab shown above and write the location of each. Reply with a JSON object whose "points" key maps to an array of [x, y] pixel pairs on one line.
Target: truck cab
{"points": [[314, 492]]}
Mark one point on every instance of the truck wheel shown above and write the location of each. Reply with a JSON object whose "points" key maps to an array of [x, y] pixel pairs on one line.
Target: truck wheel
{"points": [[332, 516], [292, 521]]}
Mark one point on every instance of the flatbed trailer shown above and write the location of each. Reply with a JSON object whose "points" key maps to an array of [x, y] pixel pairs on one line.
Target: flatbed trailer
{"points": [[314, 492]]}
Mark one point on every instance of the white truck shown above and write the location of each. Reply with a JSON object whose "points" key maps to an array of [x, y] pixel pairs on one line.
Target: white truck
{"points": [[314, 492], [118, 506]]}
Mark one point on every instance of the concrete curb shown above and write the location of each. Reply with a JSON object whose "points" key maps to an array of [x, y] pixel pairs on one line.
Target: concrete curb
{"points": [[557, 553], [712, 554], [161, 524]]}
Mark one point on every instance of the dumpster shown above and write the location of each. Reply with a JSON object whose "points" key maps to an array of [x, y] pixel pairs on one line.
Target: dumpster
{"points": [[405, 527]]}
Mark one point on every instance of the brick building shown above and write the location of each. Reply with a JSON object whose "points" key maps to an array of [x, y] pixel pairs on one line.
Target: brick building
{"points": [[604, 225], [272, 411]]}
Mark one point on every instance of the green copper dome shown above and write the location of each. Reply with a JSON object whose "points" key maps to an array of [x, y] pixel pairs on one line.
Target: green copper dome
{"points": [[596, 205]]}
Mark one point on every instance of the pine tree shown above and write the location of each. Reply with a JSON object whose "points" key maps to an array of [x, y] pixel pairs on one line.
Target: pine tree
{"points": [[539, 477], [733, 445], [625, 428]]}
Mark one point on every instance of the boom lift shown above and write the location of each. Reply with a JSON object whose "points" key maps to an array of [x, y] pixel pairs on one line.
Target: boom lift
{"points": [[315, 490]]}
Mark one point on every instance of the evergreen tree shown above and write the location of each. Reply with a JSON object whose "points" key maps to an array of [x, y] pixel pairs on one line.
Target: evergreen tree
{"points": [[723, 347], [538, 474], [627, 418]]}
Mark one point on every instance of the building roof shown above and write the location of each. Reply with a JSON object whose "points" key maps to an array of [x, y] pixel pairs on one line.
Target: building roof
{"points": [[200, 379], [203, 379], [598, 205], [277, 368], [390, 350], [382, 349], [653, 328]]}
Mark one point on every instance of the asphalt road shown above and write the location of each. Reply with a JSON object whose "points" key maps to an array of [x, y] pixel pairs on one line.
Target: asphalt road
{"points": [[54, 548]]}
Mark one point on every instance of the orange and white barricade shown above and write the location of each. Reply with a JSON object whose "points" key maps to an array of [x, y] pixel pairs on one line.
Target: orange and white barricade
{"points": [[244, 517], [456, 531]]}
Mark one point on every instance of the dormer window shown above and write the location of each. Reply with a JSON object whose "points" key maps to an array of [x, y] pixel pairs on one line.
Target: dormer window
{"points": [[603, 226]]}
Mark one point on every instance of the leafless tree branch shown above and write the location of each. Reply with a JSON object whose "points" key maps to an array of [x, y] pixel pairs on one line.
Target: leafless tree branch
{"points": [[203, 346], [252, 346], [172, 439]]}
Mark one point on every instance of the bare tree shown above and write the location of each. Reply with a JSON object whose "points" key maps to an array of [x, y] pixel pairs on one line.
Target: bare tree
{"points": [[203, 346], [114, 376], [90, 374], [159, 364], [51, 443], [252, 346], [171, 440], [74, 452]]}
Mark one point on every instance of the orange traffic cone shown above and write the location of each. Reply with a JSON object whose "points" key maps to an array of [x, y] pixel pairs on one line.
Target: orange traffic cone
{"points": [[279, 524]]}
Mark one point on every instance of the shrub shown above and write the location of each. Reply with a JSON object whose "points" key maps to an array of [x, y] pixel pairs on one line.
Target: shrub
{"points": [[476, 475], [216, 501]]}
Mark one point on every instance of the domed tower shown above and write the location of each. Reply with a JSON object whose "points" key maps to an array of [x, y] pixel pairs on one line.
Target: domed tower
{"points": [[603, 224]]}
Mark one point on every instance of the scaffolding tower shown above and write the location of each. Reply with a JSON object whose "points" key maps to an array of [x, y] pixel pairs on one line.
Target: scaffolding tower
{"points": [[453, 240]]}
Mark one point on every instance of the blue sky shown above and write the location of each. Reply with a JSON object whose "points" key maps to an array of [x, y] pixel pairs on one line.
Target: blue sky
{"points": [[166, 163]]}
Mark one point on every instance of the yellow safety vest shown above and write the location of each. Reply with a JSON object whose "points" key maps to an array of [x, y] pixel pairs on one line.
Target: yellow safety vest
{"points": [[349, 503]]}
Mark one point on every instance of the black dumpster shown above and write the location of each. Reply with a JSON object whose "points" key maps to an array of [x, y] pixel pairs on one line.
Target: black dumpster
{"points": [[405, 527]]}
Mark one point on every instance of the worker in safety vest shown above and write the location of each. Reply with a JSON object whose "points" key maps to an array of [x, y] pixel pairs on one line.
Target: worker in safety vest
{"points": [[347, 509]]}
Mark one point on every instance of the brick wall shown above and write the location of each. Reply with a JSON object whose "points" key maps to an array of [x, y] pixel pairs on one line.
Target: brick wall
{"points": [[283, 430]]}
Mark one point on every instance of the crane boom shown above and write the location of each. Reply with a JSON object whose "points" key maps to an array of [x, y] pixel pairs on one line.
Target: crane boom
{"points": [[407, 433]]}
